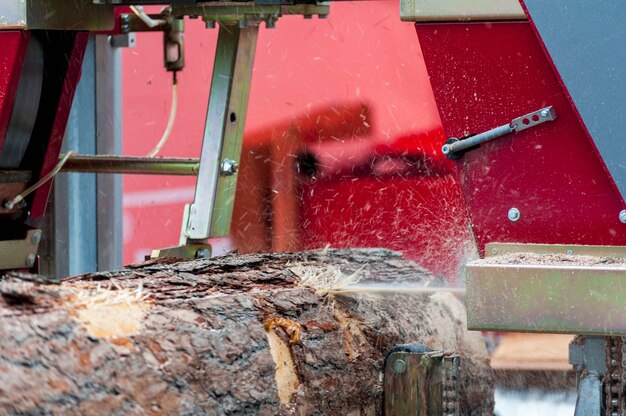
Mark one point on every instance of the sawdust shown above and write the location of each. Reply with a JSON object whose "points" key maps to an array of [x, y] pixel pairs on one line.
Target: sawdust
{"points": [[112, 312], [325, 279], [553, 259]]}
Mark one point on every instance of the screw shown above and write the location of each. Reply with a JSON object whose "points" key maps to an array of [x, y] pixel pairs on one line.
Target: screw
{"points": [[229, 167], [622, 216], [570, 252], [30, 260], [514, 214], [545, 113], [445, 149], [203, 253], [36, 238], [399, 367], [494, 251]]}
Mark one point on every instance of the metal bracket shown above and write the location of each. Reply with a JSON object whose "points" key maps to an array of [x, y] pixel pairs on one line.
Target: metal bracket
{"points": [[455, 148], [421, 382], [20, 253]]}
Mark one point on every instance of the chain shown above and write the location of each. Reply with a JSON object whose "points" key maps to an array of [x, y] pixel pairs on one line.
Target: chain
{"points": [[615, 376], [450, 379]]}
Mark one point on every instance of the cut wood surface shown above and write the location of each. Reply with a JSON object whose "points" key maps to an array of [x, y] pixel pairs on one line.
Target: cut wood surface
{"points": [[519, 351], [229, 335]]}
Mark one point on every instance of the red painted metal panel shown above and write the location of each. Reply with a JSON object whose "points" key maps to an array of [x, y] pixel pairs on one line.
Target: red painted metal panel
{"points": [[72, 76], [485, 74], [11, 58]]}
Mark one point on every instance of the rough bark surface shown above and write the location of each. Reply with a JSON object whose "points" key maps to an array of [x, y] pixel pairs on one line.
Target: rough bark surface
{"points": [[230, 335]]}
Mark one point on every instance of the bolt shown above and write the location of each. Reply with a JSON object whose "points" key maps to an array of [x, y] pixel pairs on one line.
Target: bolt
{"points": [[203, 253], [622, 216], [494, 251], [399, 367], [30, 260], [545, 113], [570, 252], [36, 238], [614, 402], [514, 214], [445, 149], [229, 167]]}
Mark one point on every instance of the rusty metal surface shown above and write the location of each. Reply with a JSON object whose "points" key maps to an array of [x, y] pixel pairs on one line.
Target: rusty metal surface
{"points": [[497, 249], [421, 384], [572, 299], [56, 14]]}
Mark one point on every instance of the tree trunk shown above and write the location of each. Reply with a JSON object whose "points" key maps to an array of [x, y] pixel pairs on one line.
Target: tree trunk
{"points": [[229, 335]]}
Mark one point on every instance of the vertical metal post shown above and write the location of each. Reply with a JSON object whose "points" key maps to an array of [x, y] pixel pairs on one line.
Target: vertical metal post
{"points": [[211, 212], [84, 230], [109, 142]]}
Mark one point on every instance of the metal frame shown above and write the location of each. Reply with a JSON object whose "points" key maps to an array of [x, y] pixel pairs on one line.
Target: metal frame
{"points": [[460, 10], [211, 212]]}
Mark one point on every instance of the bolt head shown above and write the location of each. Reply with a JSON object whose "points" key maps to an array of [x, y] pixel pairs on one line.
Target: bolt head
{"points": [[545, 113], [514, 214], [203, 253], [229, 167], [30, 260], [36, 238], [494, 251], [622, 216], [445, 149], [399, 366]]}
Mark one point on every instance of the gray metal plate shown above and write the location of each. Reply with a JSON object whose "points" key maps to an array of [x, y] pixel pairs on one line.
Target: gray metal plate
{"points": [[585, 39]]}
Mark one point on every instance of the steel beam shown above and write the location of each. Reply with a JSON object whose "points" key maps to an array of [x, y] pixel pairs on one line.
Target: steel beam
{"points": [[568, 299]]}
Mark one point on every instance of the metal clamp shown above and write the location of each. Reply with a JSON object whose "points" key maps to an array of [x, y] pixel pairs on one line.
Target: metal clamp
{"points": [[421, 382], [454, 148]]}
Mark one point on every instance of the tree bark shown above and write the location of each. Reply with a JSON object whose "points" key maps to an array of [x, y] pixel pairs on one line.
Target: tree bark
{"points": [[229, 335]]}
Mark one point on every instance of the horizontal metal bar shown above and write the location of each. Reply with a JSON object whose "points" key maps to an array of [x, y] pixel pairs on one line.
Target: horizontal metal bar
{"points": [[137, 165], [568, 299], [497, 249], [477, 139]]}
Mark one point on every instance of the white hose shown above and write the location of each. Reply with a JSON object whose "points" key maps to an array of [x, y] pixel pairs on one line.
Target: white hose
{"points": [[170, 122], [13, 202]]}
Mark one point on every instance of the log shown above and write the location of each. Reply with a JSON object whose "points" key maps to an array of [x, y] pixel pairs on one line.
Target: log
{"points": [[228, 335]]}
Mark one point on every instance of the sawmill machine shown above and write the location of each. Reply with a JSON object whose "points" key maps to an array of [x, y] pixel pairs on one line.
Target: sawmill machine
{"points": [[530, 96]]}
